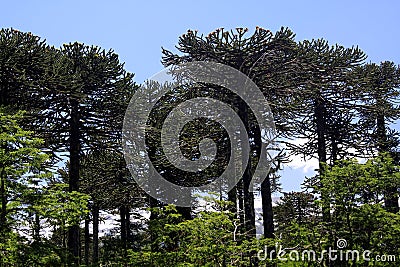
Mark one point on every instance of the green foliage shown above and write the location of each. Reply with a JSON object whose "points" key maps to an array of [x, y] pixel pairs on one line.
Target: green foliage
{"points": [[22, 168], [25, 193], [356, 196], [9, 247], [60, 207], [210, 239]]}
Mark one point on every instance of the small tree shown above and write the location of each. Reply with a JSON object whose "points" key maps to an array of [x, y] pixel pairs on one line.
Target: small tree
{"points": [[27, 197], [21, 168], [356, 193]]}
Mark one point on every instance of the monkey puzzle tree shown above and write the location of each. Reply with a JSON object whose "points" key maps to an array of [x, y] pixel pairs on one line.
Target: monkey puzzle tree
{"points": [[75, 96], [88, 93], [24, 61], [325, 118], [379, 87], [268, 60], [26, 67]]}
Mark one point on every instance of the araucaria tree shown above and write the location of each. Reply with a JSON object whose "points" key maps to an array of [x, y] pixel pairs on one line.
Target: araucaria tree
{"points": [[86, 99], [268, 60]]}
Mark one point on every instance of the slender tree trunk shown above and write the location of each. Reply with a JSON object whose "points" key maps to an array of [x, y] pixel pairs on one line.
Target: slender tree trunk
{"points": [[74, 150], [320, 127], [153, 204], [250, 222], [266, 194], [128, 227], [232, 197], [268, 216], [95, 234], [249, 214], [391, 195], [241, 205], [320, 115], [122, 212], [381, 132], [3, 195], [87, 241], [186, 212], [335, 149], [36, 233]]}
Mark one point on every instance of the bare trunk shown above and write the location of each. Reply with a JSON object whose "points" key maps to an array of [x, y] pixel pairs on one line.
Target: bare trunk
{"points": [[74, 150], [36, 232], [232, 197], [95, 234], [87, 241], [320, 115], [241, 205], [122, 212], [249, 214], [268, 216], [391, 194], [128, 227]]}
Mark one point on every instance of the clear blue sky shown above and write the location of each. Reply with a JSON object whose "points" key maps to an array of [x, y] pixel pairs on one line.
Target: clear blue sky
{"points": [[136, 30]]}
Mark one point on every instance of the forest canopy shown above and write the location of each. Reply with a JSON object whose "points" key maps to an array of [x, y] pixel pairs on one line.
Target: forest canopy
{"points": [[63, 172]]}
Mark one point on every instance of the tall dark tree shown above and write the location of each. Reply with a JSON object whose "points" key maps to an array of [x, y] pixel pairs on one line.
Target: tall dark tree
{"points": [[87, 92], [326, 111], [267, 59], [379, 87], [26, 74]]}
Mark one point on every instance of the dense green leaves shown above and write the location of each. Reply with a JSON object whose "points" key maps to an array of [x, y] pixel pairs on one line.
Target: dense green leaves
{"points": [[210, 239], [27, 200]]}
